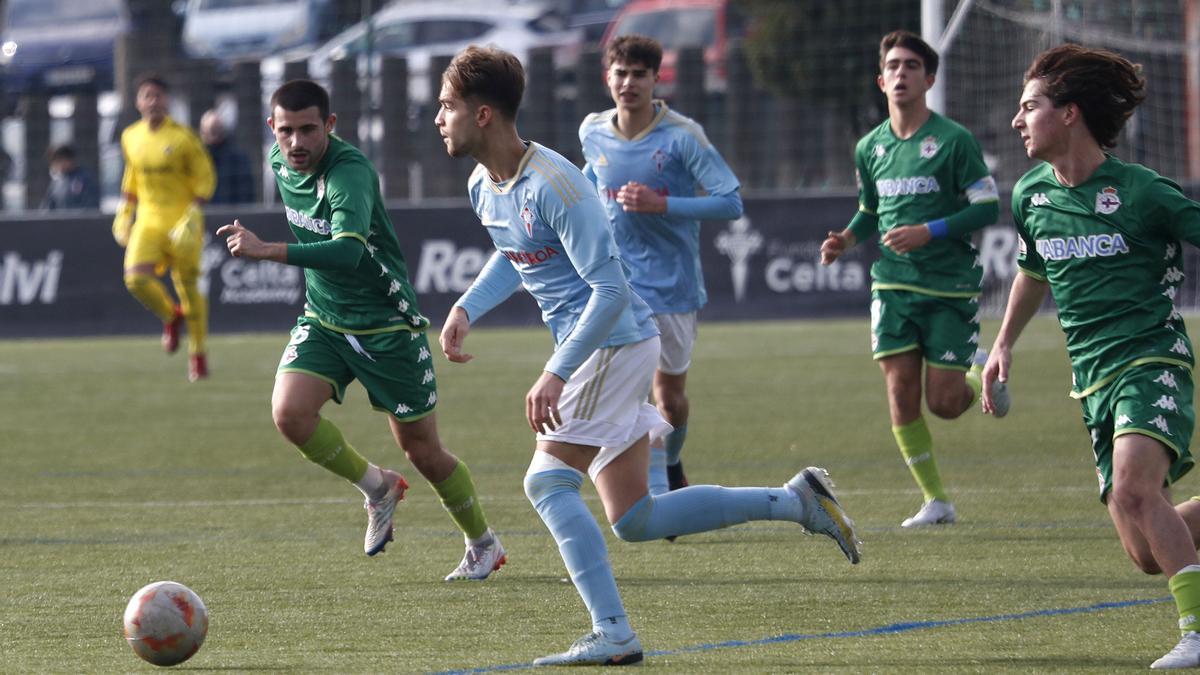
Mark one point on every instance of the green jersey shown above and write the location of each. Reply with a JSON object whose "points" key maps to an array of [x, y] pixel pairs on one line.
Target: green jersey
{"points": [[935, 173], [1110, 250], [341, 198]]}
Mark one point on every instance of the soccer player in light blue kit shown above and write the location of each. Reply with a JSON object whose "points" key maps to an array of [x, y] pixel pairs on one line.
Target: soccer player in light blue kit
{"points": [[647, 161], [589, 406]]}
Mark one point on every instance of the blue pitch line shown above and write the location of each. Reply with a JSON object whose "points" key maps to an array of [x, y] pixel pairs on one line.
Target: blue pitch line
{"points": [[889, 629]]}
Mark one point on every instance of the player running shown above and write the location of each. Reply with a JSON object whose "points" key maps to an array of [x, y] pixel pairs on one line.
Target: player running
{"points": [[168, 177], [360, 321], [589, 407], [1105, 237], [647, 162], [923, 186]]}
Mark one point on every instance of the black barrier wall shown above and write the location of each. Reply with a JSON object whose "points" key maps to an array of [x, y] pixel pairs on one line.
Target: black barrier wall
{"points": [[62, 276]]}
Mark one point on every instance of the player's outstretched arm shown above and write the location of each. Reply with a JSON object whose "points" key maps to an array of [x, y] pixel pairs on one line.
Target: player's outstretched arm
{"points": [[1024, 300]]}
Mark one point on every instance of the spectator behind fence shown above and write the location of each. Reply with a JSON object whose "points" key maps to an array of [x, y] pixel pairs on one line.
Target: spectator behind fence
{"points": [[71, 186], [235, 180]]}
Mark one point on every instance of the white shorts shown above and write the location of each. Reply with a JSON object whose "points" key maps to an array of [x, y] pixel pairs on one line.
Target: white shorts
{"points": [[678, 334], [604, 403]]}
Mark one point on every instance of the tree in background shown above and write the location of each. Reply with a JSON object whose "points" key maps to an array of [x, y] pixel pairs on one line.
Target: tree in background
{"points": [[821, 59]]}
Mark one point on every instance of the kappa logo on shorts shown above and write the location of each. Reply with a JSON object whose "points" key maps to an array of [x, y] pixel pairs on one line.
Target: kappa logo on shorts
{"points": [[1161, 422], [1123, 421], [1165, 402], [1167, 379], [291, 353], [1180, 347]]}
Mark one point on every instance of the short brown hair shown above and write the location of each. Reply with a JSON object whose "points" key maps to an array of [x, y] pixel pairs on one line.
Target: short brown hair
{"points": [[490, 75], [297, 95], [634, 48], [911, 41], [1105, 86]]}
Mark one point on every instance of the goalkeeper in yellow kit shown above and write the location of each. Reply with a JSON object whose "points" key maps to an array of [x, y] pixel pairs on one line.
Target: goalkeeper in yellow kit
{"points": [[168, 177]]}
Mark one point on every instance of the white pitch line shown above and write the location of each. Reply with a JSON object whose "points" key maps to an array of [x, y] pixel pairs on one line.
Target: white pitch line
{"points": [[237, 503]]}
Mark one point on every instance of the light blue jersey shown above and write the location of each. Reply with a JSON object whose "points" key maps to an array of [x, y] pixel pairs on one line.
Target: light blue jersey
{"points": [[672, 156], [552, 236]]}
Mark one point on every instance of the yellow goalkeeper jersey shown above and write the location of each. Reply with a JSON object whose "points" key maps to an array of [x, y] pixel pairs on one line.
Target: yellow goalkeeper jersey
{"points": [[165, 169]]}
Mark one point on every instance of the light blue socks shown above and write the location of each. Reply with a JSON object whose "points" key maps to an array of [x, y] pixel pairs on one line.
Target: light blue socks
{"points": [[658, 482], [701, 508], [555, 496], [674, 444]]}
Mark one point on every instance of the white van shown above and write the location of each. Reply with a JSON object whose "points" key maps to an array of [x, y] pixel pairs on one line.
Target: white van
{"points": [[228, 30]]}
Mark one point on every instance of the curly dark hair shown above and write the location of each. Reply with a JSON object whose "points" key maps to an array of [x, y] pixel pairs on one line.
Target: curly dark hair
{"points": [[1106, 86], [634, 49]]}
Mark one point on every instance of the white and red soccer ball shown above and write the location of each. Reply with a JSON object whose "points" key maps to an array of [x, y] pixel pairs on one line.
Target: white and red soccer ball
{"points": [[165, 623]]}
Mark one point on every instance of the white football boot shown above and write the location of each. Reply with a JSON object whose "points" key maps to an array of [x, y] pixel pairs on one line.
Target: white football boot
{"points": [[596, 649], [480, 561], [822, 513], [1186, 654], [379, 512], [933, 512]]}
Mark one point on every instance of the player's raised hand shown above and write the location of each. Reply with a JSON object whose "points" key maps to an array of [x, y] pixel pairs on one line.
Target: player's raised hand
{"points": [[639, 198], [454, 333], [995, 369], [240, 241], [541, 403], [905, 238], [835, 244]]}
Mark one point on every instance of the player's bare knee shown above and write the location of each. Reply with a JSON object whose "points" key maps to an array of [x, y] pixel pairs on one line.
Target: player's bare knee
{"points": [[1129, 500], [674, 406], [945, 407], [296, 425], [1146, 563]]}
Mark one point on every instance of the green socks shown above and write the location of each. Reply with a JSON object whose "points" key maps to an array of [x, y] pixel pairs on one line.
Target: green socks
{"points": [[1185, 586], [457, 493], [327, 448], [917, 447], [974, 379]]}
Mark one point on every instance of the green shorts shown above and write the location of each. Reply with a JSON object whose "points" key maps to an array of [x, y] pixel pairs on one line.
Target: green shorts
{"points": [[1154, 400], [945, 330], [395, 368]]}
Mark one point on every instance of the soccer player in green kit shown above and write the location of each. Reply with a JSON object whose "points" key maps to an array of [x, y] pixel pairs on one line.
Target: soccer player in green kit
{"points": [[1105, 237], [923, 186], [360, 322]]}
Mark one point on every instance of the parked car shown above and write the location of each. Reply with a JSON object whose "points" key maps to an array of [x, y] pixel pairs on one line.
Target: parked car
{"points": [[419, 31], [57, 46], [683, 23], [590, 16], [232, 29]]}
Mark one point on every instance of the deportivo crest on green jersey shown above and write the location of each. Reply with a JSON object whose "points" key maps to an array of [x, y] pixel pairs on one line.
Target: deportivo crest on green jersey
{"points": [[913, 181], [1111, 251], [341, 198]]}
